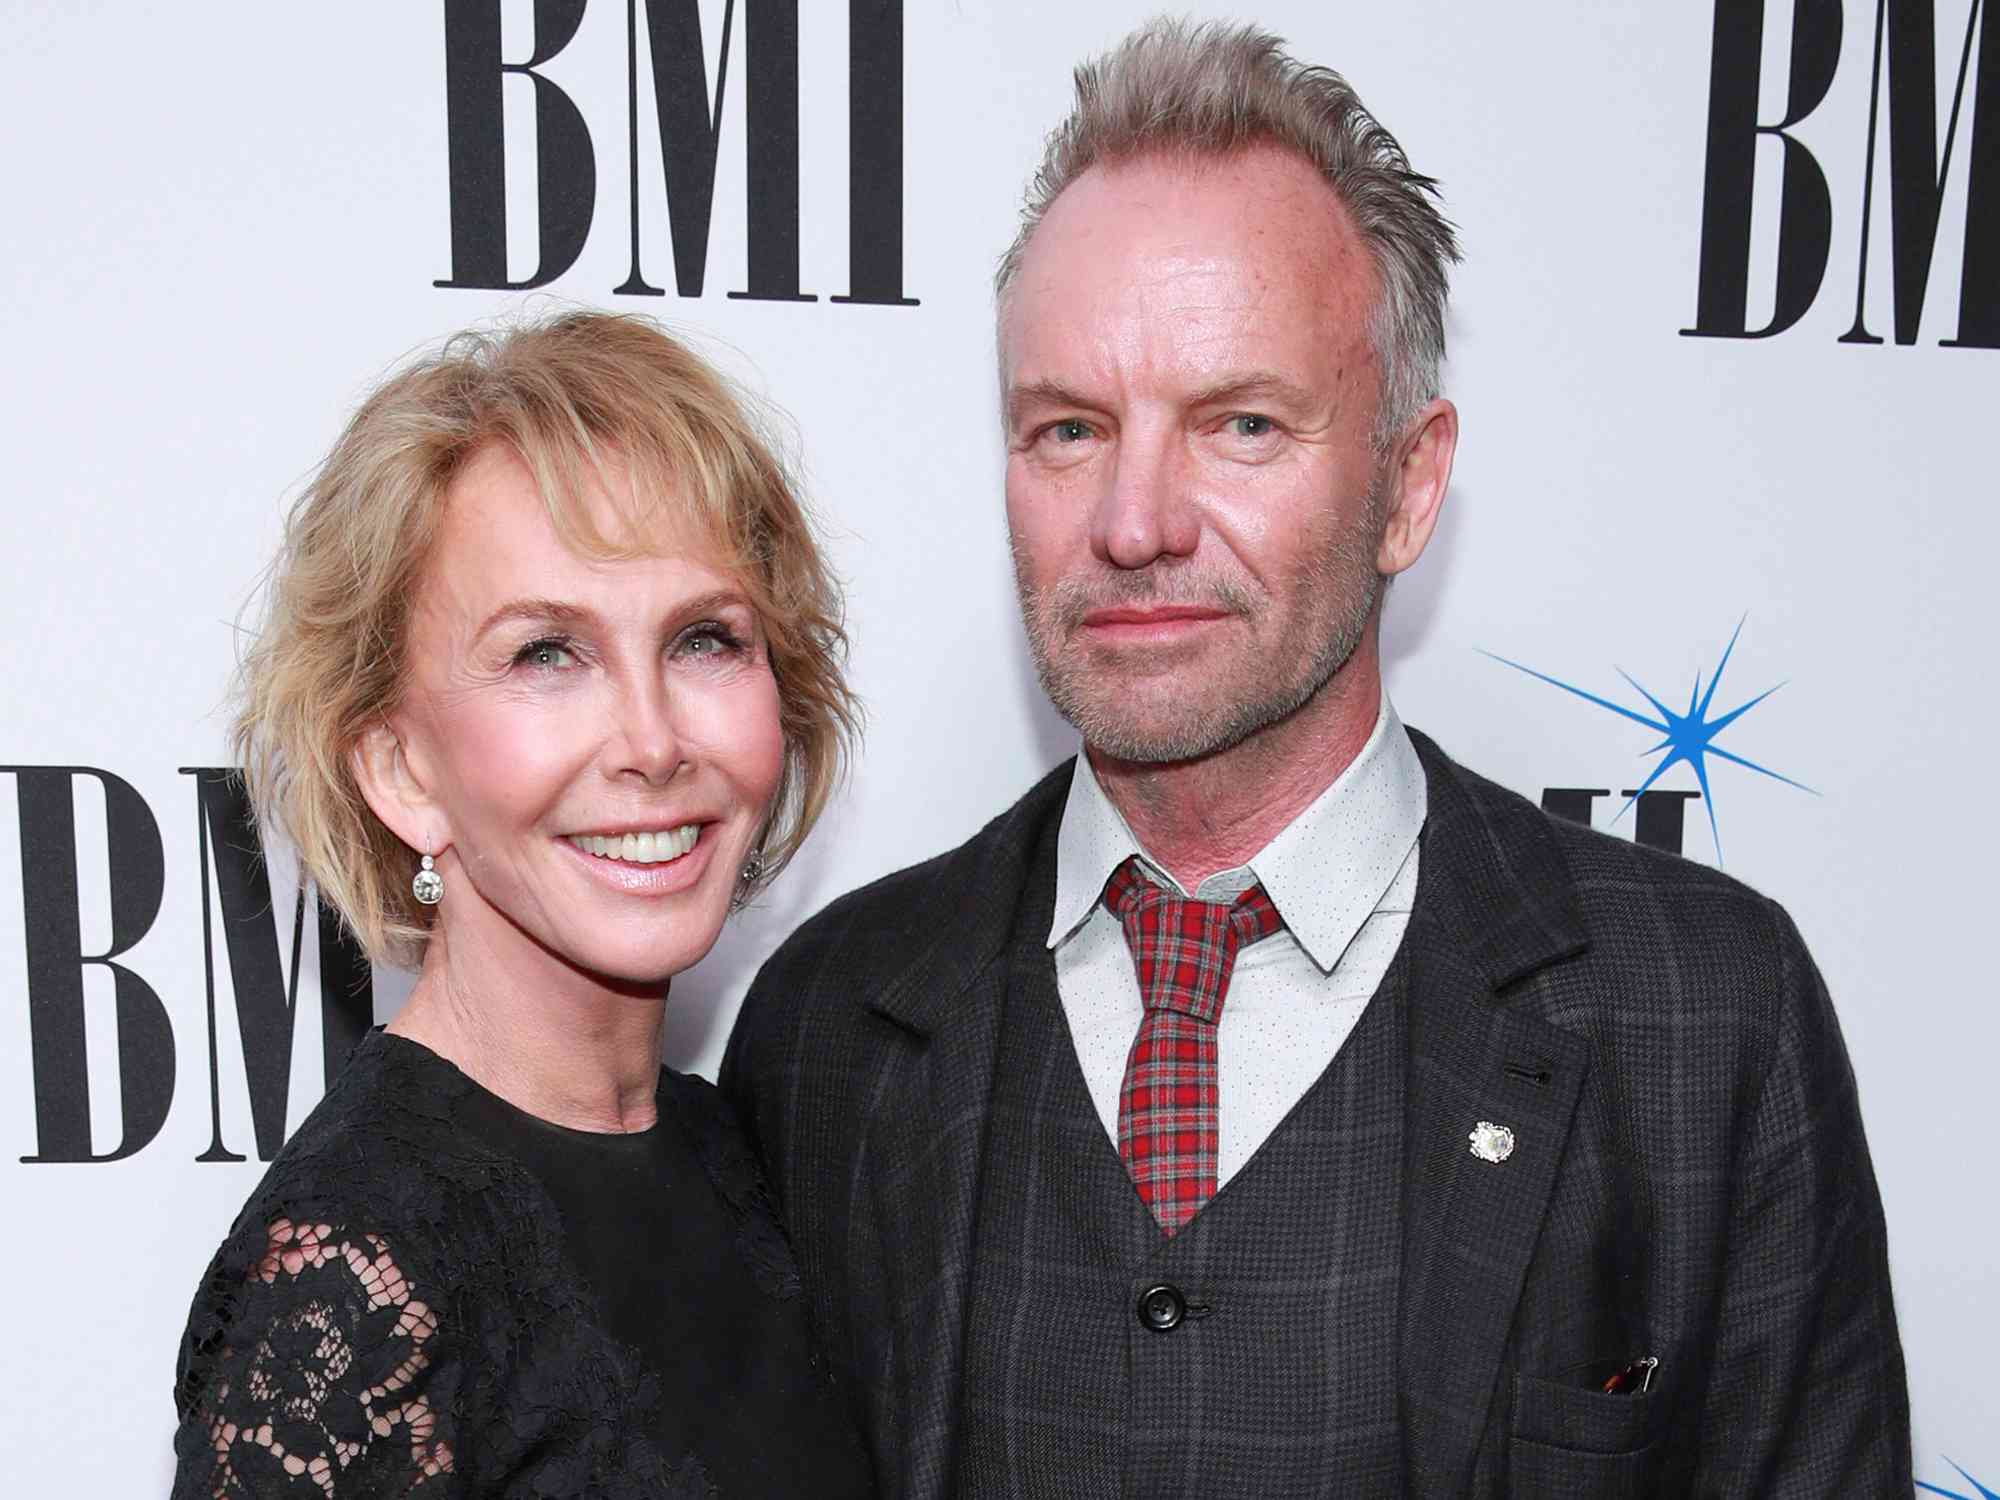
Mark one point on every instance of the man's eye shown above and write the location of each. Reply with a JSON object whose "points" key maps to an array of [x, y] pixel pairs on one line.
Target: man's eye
{"points": [[1070, 431], [1250, 425], [545, 653]]}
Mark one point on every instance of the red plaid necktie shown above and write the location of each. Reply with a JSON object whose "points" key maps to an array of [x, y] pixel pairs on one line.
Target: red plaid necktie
{"points": [[1168, 1115]]}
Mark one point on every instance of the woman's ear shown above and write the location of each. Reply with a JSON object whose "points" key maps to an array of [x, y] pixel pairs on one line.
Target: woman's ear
{"points": [[395, 793]]}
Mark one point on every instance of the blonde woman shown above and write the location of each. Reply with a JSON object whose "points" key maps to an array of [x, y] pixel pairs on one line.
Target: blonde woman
{"points": [[550, 681]]}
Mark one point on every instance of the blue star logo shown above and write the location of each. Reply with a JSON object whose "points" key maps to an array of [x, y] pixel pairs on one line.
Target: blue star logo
{"points": [[1689, 737], [1984, 1493]]}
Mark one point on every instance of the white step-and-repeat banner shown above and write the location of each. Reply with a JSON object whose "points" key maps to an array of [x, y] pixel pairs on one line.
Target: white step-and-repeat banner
{"points": [[1726, 345]]}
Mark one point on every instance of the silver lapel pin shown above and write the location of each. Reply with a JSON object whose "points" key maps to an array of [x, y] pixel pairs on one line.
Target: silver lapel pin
{"points": [[1491, 1142]]}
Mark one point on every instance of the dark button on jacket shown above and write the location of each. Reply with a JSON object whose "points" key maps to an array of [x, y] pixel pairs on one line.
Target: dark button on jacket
{"points": [[1162, 1307]]}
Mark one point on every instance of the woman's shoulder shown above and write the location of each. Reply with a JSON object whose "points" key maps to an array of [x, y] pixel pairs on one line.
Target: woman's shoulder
{"points": [[320, 1341], [694, 1098], [379, 1149], [381, 1244], [390, 1090], [370, 1171], [709, 1123], [717, 1139]]}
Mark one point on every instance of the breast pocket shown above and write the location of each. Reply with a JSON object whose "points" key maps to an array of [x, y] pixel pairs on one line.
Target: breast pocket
{"points": [[1572, 1441]]}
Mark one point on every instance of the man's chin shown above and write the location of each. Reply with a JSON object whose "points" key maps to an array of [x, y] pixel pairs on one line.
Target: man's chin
{"points": [[1160, 722], [1168, 737], [1152, 710]]}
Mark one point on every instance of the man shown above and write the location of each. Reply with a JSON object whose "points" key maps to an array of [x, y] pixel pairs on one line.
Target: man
{"points": [[1265, 1105]]}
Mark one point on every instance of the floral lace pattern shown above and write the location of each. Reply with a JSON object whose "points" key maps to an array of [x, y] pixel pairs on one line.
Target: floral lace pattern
{"points": [[333, 1375]]}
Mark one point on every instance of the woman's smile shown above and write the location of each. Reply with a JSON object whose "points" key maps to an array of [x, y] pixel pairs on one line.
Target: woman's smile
{"points": [[644, 847], [661, 863]]}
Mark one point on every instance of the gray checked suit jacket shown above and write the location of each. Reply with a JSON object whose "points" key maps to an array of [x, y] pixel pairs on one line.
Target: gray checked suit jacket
{"points": [[1689, 1178]]}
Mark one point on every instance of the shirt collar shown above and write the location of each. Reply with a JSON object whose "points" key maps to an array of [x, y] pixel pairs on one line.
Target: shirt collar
{"points": [[1327, 871]]}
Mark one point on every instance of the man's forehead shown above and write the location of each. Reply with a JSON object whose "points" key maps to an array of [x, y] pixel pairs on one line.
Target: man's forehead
{"points": [[1181, 319], [1258, 195], [1178, 248]]}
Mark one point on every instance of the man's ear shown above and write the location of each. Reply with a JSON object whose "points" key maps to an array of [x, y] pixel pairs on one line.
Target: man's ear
{"points": [[395, 792], [1421, 475]]}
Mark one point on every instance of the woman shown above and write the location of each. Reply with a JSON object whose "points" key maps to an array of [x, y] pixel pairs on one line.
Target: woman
{"points": [[550, 682]]}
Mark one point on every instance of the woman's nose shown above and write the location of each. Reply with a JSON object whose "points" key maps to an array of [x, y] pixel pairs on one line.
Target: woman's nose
{"points": [[648, 743]]}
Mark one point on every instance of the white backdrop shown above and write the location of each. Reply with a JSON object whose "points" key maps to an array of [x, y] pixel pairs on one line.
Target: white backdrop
{"points": [[225, 221]]}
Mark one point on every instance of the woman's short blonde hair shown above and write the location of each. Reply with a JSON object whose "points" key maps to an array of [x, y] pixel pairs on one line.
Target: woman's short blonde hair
{"points": [[576, 397]]}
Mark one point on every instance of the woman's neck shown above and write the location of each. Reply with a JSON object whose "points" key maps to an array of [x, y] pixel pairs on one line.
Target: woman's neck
{"points": [[549, 1040]]}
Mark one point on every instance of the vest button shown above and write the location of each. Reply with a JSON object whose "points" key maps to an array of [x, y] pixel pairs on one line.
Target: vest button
{"points": [[1162, 1307]]}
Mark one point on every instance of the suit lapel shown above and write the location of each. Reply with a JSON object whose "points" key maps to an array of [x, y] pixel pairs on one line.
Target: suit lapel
{"points": [[929, 1115], [1494, 905]]}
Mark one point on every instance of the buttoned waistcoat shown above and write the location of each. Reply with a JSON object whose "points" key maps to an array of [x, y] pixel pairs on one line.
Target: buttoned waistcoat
{"points": [[1688, 1178], [1252, 1353]]}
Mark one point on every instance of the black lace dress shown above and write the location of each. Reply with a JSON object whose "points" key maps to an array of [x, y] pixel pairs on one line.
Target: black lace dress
{"points": [[434, 1292]]}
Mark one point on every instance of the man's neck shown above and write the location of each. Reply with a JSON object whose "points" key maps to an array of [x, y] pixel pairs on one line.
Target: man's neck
{"points": [[1196, 817]]}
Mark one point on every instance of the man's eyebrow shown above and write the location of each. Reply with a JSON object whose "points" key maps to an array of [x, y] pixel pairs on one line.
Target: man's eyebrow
{"points": [[1243, 386], [1253, 385], [1043, 393]]}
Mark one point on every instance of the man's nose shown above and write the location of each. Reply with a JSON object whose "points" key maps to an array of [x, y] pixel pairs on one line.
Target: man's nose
{"points": [[1146, 511]]}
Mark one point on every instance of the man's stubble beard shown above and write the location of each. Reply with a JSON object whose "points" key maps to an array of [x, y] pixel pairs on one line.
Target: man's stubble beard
{"points": [[1099, 705]]}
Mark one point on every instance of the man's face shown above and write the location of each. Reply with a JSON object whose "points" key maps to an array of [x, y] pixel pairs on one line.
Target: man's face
{"points": [[1193, 497]]}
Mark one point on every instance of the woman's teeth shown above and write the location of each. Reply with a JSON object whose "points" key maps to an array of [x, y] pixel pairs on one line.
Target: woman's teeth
{"points": [[640, 848]]}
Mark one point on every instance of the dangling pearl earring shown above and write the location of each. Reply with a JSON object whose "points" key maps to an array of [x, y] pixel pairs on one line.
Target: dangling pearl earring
{"points": [[428, 887]]}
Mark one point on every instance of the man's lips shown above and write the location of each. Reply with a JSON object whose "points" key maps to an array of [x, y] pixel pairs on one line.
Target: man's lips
{"points": [[1164, 619]]}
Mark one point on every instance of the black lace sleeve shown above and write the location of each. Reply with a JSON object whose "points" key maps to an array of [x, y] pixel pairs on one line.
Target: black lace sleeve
{"points": [[313, 1369]]}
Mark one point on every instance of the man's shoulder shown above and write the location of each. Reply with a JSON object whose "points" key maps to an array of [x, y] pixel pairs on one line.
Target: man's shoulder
{"points": [[884, 924], [1653, 894], [1628, 895], [1664, 963]]}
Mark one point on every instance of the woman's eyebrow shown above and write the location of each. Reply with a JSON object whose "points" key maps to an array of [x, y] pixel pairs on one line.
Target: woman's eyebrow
{"points": [[560, 612], [544, 611], [714, 599]]}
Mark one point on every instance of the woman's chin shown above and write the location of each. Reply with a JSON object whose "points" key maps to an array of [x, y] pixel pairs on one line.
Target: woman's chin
{"points": [[643, 965]]}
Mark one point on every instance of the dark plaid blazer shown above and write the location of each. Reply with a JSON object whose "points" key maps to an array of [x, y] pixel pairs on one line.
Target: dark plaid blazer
{"points": [[1689, 1178]]}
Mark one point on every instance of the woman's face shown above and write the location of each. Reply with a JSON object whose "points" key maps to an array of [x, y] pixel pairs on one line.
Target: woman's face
{"points": [[599, 740]]}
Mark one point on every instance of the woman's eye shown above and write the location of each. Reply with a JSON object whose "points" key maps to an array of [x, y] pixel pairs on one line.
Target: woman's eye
{"points": [[545, 654], [1250, 425], [708, 640]]}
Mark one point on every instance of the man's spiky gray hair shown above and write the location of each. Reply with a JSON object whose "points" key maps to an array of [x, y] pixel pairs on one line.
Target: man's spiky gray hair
{"points": [[1177, 88]]}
